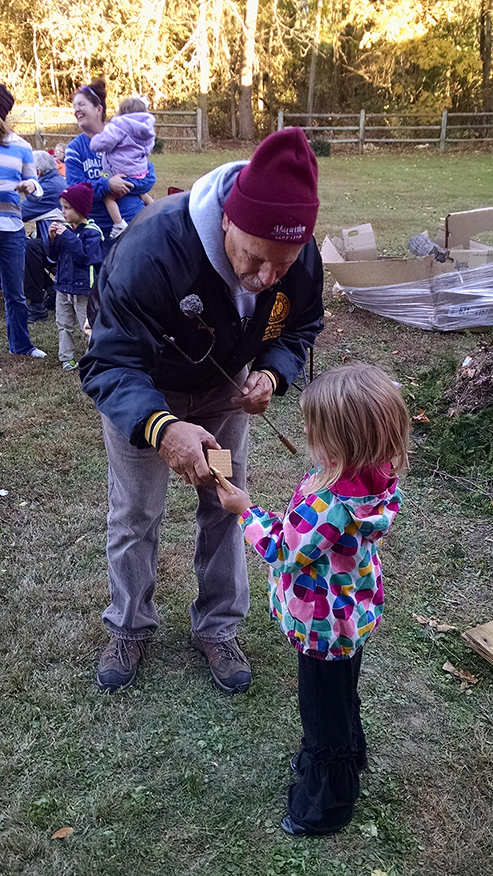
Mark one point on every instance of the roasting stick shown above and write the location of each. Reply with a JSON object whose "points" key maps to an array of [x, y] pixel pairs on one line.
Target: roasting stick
{"points": [[282, 438]]}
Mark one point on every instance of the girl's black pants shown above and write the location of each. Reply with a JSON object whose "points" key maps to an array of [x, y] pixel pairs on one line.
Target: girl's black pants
{"points": [[333, 748]]}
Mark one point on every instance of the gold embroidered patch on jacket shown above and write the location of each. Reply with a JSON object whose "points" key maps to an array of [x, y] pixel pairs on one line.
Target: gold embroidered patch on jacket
{"points": [[277, 318]]}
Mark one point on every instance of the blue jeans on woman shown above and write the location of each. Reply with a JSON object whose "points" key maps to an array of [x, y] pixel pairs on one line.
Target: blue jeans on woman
{"points": [[12, 259]]}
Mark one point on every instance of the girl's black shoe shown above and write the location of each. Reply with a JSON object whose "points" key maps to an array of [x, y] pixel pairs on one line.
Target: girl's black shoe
{"points": [[291, 827]]}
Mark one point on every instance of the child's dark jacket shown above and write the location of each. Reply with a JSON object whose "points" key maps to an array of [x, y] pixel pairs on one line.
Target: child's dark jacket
{"points": [[78, 256]]}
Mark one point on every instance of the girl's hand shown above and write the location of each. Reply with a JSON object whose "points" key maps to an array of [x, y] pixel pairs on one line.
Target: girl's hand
{"points": [[236, 502]]}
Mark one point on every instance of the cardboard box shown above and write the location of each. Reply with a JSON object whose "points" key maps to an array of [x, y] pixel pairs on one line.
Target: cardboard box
{"points": [[460, 227], [329, 253], [359, 243], [422, 291], [465, 259]]}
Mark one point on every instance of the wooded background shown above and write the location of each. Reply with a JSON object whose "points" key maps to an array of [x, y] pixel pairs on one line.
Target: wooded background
{"points": [[241, 61]]}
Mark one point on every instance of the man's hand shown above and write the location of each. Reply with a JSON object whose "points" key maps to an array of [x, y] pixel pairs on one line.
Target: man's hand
{"points": [[28, 186], [236, 502], [257, 393], [182, 448]]}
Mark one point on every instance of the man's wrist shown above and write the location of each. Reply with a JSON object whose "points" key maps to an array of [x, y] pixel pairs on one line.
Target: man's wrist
{"points": [[156, 426], [273, 377]]}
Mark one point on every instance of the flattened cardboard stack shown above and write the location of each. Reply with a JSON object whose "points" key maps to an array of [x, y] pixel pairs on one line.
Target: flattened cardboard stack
{"points": [[457, 294]]}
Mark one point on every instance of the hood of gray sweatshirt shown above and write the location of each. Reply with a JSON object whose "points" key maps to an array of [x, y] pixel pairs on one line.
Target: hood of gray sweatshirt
{"points": [[207, 199]]}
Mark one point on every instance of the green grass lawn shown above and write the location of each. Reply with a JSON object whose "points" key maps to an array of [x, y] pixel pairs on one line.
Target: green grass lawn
{"points": [[400, 195], [171, 777]]}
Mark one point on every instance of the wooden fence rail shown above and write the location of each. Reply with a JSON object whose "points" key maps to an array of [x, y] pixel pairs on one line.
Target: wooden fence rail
{"points": [[45, 126], [416, 128]]}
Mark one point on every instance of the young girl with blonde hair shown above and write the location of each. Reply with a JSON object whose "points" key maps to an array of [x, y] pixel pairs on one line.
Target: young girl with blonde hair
{"points": [[325, 576]]}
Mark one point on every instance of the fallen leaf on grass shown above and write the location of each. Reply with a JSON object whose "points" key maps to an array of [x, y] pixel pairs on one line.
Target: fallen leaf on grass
{"points": [[466, 678], [421, 416], [63, 832], [434, 623], [369, 828]]}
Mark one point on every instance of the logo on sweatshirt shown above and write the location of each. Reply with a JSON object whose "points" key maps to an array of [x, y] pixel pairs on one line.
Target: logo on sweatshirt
{"points": [[278, 317]]}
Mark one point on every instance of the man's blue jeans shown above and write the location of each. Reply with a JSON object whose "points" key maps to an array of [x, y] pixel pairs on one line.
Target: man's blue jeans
{"points": [[137, 482], [12, 259]]}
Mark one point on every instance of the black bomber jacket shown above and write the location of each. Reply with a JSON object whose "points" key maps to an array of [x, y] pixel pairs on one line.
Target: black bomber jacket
{"points": [[159, 261]]}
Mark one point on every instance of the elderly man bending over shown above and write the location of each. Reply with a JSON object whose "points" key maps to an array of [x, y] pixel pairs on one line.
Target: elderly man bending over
{"points": [[242, 242]]}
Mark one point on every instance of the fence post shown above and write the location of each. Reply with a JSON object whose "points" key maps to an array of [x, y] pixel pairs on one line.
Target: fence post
{"points": [[443, 131], [361, 137], [38, 129], [199, 127], [280, 120]]}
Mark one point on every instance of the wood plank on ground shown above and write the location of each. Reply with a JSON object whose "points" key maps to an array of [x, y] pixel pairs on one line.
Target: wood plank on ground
{"points": [[481, 640]]}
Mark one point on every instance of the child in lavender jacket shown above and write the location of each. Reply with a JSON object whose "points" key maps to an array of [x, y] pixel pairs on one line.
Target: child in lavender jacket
{"points": [[124, 144]]}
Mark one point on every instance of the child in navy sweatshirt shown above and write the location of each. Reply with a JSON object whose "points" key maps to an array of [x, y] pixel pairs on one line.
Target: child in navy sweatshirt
{"points": [[76, 247]]}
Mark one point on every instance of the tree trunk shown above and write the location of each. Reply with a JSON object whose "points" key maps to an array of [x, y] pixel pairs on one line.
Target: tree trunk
{"points": [[38, 68], [245, 111], [233, 108], [203, 54], [313, 63], [485, 49]]}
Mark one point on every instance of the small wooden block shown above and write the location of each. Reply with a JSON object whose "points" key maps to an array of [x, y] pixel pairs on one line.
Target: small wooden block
{"points": [[221, 460], [481, 640]]}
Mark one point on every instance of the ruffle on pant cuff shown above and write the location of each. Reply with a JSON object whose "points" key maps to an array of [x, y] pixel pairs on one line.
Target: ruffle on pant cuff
{"points": [[298, 761], [322, 800]]}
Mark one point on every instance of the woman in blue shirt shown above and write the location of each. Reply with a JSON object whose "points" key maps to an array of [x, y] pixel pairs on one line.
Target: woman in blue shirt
{"points": [[83, 165], [17, 175]]}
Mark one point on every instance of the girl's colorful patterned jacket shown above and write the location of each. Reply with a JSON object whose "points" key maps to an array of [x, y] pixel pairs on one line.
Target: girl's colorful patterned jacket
{"points": [[325, 577]]}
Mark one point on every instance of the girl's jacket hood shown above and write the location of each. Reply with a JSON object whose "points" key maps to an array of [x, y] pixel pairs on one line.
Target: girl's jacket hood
{"points": [[374, 508], [139, 126]]}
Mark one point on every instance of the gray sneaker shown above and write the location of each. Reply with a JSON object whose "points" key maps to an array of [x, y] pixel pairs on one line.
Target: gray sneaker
{"points": [[229, 667], [119, 662]]}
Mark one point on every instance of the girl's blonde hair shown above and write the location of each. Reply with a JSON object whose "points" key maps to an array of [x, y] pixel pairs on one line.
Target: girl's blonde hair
{"points": [[355, 417]]}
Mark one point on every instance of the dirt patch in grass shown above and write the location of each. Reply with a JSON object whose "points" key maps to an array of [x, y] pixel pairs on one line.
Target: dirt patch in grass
{"points": [[473, 388]]}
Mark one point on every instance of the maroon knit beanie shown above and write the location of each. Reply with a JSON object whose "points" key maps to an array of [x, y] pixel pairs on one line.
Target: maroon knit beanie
{"points": [[80, 197], [275, 195], [6, 102]]}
